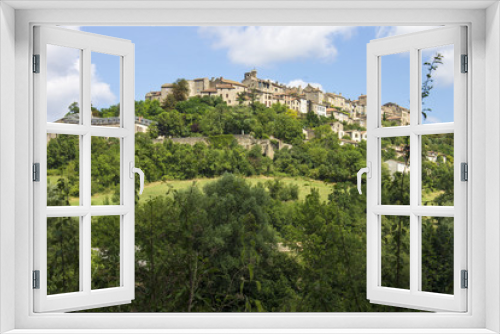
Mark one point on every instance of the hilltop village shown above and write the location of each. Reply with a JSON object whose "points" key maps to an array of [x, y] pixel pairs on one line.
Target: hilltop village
{"points": [[344, 116], [301, 100]]}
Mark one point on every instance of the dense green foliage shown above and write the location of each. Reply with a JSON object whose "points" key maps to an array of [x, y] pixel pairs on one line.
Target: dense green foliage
{"points": [[233, 247]]}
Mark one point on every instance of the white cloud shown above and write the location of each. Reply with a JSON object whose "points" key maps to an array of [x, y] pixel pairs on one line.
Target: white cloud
{"points": [[400, 30], [63, 82], [303, 84], [443, 76], [264, 45]]}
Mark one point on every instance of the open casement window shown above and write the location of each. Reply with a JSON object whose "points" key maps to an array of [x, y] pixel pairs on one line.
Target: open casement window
{"points": [[405, 267], [73, 271]]}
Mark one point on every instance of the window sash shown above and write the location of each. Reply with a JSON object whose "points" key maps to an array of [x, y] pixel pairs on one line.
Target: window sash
{"points": [[414, 297], [86, 297]]}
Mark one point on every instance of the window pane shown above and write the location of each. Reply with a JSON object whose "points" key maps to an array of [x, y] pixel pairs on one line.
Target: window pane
{"points": [[63, 170], [105, 171], [105, 252], [395, 171], [437, 170], [105, 90], [395, 89], [63, 255], [63, 84], [437, 254], [437, 84], [396, 251]]}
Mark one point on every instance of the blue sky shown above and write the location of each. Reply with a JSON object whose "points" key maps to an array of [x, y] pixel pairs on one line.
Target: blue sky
{"points": [[333, 57]]}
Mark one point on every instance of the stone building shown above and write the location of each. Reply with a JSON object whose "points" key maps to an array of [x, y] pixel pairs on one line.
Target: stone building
{"points": [[336, 100], [397, 166], [301, 105], [317, 108], [300, 99], [362, 100], [263, 85], [266, 89], [356, 135], [154, 95], [165, 90], [339, 115], [228, 90], [395, 113], [314, 94], [196, 86], [361, 121], [338, 128]]}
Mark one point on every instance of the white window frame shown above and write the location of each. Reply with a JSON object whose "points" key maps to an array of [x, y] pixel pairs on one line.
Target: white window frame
{"points": [[484, 310], [411, 44], [86, 44]]}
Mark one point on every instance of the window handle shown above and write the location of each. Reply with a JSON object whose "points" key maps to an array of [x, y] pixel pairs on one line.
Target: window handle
{"points": [[141, 176], [368, 171]]}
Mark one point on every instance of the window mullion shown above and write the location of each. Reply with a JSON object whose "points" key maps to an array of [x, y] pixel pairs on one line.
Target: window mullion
{"points": [[414, 171], [86, 165]]}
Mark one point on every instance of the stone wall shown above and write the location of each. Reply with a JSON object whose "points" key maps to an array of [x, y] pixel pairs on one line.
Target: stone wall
{"points": [[188, 140], [247, 141]]}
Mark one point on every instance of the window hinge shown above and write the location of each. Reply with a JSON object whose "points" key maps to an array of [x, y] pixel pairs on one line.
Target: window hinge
{"points": [[36, 63], [465, 279], [465, 64], [36, 279], [464, 171], [36, 172]]}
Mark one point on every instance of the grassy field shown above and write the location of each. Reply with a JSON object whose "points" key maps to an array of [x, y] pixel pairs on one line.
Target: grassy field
{"points": [[161, 188], [305, 185]]}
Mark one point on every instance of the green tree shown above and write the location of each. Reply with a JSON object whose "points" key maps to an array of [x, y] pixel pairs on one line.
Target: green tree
{"points": [[171, 124], [427, 85]]}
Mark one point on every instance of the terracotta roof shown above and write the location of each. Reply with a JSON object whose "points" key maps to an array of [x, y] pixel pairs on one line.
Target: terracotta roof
{"points": [[232, 82], [335, 95], [224, 86], [209, 90]]}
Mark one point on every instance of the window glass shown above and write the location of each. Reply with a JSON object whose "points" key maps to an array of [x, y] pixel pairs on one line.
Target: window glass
{"points": [[63, 85], [105, 171], [395, 171], [63, 255], [437, 254], [396, 251], [437, 77], [105, 250], [105, 94], [437, 169], [63, 170], [395, 89]]}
